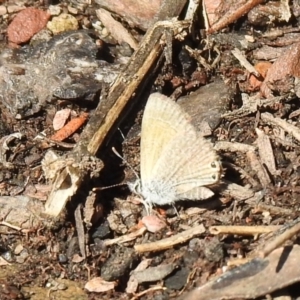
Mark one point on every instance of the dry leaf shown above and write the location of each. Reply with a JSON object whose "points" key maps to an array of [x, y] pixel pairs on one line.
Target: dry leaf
{"points": [[262, 67], [153, 223], [60, 118], [99, 285]]}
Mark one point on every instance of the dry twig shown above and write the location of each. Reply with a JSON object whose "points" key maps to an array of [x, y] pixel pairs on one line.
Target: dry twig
{"points": [[167, 243], [126, 238], [280, 240], [234, 16], [244, 62], [289, 128], [242, 230]]}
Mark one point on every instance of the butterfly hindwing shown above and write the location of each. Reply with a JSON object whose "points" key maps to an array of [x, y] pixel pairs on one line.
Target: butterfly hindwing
{"points": [[191, 162]]}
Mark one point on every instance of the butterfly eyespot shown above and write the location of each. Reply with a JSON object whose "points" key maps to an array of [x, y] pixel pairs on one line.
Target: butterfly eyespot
{"points": [[214, 177], [214, 165]]}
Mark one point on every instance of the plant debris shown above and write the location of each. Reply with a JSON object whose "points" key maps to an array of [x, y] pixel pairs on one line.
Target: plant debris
{"points": [[75, 77]]}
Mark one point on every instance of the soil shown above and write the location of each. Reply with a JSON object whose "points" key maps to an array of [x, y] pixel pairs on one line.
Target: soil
{"points": [[97, 233]]}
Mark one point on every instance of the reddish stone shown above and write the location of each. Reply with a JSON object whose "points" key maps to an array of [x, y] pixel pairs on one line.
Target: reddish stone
{"points": [[25, 24]]}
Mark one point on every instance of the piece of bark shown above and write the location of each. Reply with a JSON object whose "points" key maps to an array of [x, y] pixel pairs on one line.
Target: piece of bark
{"points": [[268, 53], [154, 273], [285, 66], [226, 12], [22, 212], [137, 13], [254, 279], [271, 12], [265, 151]]}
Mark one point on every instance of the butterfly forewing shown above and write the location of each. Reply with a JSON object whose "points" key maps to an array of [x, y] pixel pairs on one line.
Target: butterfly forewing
{"points": [[162, 121]]}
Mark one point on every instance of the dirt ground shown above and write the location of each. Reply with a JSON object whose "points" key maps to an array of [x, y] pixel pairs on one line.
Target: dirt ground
{"points": [[75, 78]]}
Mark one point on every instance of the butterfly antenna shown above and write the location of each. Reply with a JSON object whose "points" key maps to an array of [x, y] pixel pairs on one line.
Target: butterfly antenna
{"points": [[126, 162], [96, 189], [122, 135]]}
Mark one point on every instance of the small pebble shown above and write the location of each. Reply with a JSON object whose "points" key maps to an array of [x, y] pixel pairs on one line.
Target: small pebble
{"points": [[3, 10], [62, 258], [8, 256], [72, 10], [54, 10]]}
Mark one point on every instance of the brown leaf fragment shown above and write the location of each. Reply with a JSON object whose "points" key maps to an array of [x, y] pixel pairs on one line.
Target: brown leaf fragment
{"points": [[137, 13], [268, 53], [37, 191], [26, 23], [154, 273], [262, 67], [60, 118], [116, 29], [99, 285], [236, 191], [226, 12], [153, 223], [288, 64]]}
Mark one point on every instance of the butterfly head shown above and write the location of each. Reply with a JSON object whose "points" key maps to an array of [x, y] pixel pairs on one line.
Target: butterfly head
{"points": [[135, 186], [154, 192]]}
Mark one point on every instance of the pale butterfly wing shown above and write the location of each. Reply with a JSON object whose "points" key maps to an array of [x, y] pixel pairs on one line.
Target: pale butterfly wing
{"points": [[184, 162], [193, 165], [161, 123]]}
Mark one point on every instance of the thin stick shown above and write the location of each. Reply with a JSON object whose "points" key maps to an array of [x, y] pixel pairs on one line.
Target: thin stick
{"points": [[234, 147], [280, 240], [125, 238], [289, 128], [244, 62], [167, 243], [152, 289], [242, 230], [150, 45], [234, 15], [3, 223]]}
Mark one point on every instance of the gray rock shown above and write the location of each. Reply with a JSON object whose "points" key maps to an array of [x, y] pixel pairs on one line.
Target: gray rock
{"points": [[64, 67]]}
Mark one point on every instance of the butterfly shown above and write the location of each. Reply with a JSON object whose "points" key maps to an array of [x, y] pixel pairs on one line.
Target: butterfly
{"points": [[177, 163]]}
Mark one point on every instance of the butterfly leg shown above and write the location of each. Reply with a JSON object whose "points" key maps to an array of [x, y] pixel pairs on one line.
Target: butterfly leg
{"points": [[148, 206], [177, 213]]}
